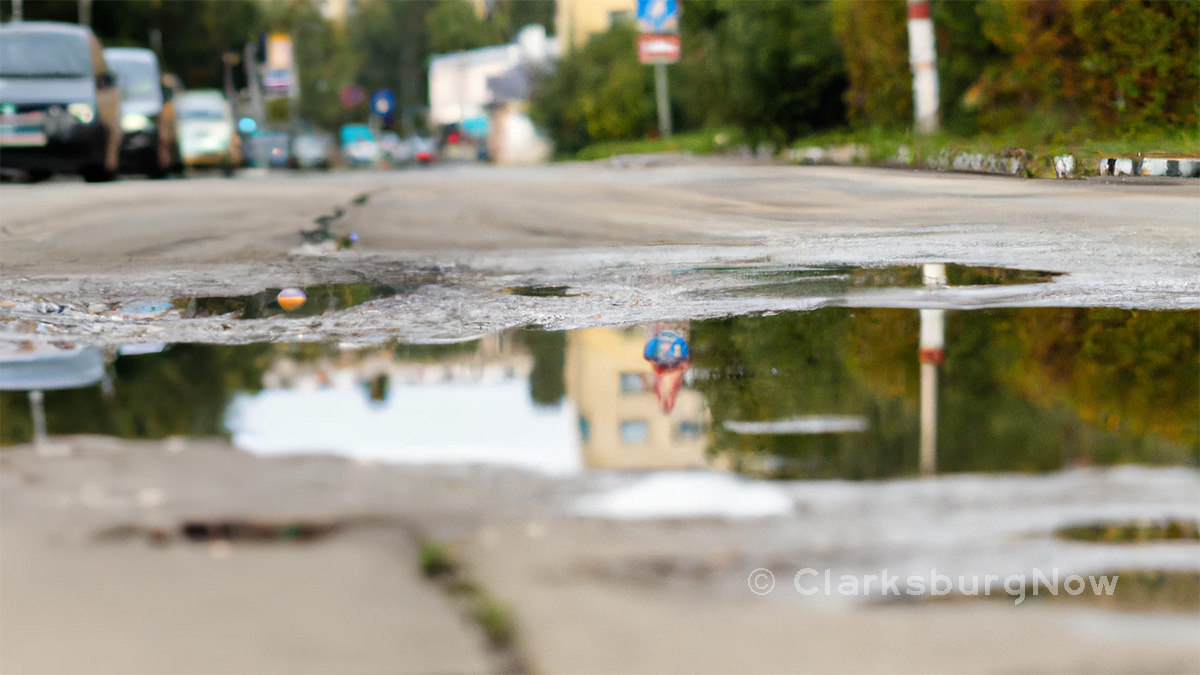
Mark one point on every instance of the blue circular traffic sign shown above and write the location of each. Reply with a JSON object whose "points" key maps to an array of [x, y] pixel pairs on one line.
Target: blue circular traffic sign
{"points": [[382, 102]]}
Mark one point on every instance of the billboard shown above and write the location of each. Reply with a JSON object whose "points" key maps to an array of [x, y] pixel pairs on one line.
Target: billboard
{"points": [[280, 75]]}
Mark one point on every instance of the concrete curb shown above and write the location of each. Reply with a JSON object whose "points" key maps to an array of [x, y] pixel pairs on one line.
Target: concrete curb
{"points": [[1010, 162]]}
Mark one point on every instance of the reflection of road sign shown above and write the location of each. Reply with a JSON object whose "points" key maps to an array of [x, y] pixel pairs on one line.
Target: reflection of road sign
{"points": [[658, 16], [351, 96], [382, 102], [666, 350], [658, 48]]}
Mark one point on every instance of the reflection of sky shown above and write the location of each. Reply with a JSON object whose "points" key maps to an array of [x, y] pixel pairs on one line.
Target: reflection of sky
{"points": [[443, 423]]}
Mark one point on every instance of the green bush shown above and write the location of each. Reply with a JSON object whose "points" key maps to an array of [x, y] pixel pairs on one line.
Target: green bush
{"points": [[599, 92]]}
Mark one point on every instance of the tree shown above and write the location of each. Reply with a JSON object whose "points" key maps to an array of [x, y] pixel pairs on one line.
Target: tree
{"points": [[454, 26], [326, 60], [874, 38], [599, 92], [780, 68], [394, 45], [1123, 66]]}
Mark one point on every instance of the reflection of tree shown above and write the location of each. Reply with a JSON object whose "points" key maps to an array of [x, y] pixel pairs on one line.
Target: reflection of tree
{"points": [[767, 368], [1024, 390], [181, 391], [1119, 369], [547, 386]]}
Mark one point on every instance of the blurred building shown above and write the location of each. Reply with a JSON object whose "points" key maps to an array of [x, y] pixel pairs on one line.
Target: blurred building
{"points": [[577, 20], [620, 423], [459, 83]]}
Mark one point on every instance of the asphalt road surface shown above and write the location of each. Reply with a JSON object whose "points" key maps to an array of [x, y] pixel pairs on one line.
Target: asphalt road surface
{"points": [[86, 587], [615, 233]]}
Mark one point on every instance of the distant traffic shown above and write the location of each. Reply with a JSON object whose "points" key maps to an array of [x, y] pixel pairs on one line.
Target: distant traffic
{"points": [[69, 106]]}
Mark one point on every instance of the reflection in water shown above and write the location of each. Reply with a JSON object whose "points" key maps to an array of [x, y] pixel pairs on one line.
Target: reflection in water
{"points": [[932, 355], [1020, 390], [667, 352], [295, 302], [621, 424], [25, 367]]}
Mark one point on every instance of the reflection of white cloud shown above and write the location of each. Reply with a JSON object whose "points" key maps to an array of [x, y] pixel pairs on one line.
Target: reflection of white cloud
{"points": [[807, 424], [442, 423], [688, 494]]}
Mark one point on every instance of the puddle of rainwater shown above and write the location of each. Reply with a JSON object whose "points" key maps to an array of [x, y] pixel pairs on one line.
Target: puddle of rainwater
{"points": [[541, 291], [1132, 532], [808, 280], [831, 393], [320, 299], [1134, 591]]}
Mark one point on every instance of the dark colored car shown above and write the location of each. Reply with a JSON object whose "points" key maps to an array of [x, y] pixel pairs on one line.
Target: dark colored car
{"points": [[60, 107], [150, 143]]}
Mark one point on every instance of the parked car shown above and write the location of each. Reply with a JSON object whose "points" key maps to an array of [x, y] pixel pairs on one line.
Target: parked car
{"points": [[267, 148], [60, 107], [457, 144], [424, 149], [207, 133], [312, 151], [359, 146], [150, 134]]}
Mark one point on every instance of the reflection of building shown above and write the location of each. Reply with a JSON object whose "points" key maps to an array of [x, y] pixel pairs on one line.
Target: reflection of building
{"points": [[493, 358], [620, 423], [577, 20]]}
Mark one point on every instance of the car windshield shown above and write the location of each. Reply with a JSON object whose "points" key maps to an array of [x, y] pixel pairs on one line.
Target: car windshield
{"points": [[138, 78], [44, 54], [207, 108]]}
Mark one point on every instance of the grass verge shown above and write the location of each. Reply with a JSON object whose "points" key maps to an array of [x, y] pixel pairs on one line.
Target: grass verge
{"points": [[702, 142]]}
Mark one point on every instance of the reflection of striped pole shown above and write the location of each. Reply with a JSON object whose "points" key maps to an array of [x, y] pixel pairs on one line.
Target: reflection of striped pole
{"points": [[932, 354], [37, 408], [922, 56]]}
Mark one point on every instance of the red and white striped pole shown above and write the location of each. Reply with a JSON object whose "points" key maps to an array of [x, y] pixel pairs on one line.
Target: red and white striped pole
{"points": [[932, 355], [922, 56]]}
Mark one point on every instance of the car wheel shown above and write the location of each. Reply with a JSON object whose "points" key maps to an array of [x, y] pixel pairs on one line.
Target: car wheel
{"points": [[161, 166], [98, 174]]}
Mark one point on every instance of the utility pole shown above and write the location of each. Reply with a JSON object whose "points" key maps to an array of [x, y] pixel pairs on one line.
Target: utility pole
{"points": [[250, 61], [18, 11], [229, 58], [662, 98], [156, 42], [85, 12], [922, 57], [37, 408]]}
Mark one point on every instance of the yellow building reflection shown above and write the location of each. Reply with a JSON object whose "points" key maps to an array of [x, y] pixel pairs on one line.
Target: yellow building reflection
{"points": [[621, 425]]}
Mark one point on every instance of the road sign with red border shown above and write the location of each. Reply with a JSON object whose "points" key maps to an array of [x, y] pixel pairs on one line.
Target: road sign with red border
{"points": [[658, 48]]}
